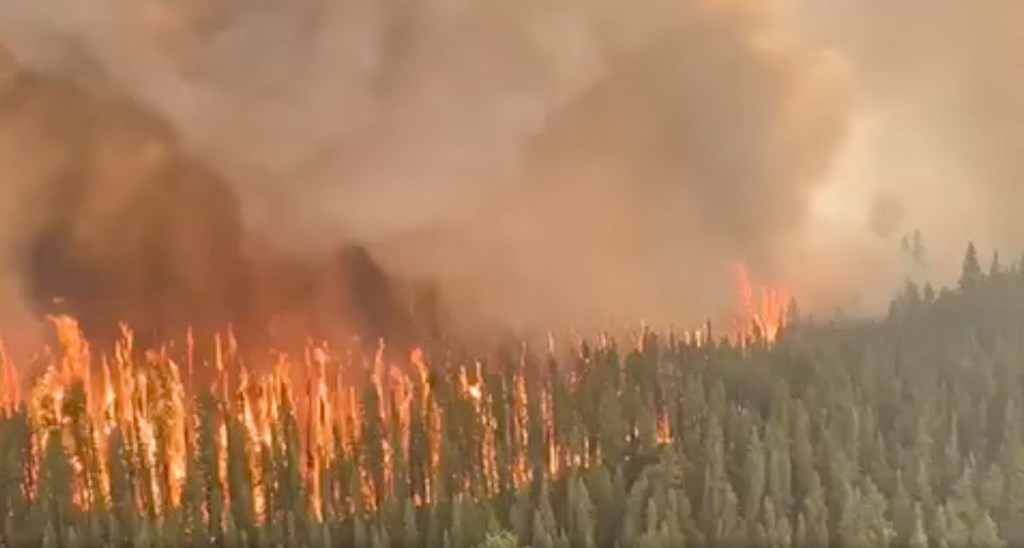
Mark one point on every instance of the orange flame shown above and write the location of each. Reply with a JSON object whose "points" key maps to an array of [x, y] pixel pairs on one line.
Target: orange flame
{"points": [[149, 402], [763, 313]]}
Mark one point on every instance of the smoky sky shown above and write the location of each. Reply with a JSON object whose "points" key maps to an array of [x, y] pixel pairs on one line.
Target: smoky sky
{"points": [[565, 162], [940, 87]]}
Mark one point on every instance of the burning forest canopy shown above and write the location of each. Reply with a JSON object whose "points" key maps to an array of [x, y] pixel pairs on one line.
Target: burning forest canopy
{"points": [[403, 170]]}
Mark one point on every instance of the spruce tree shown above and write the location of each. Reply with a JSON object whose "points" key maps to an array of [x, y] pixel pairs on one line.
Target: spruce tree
{"points": [[971, 274], [754, 477], [985, 534], [903, 507]]}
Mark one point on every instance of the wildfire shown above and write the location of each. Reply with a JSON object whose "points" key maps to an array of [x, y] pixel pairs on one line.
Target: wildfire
{"points": [[147, 414], [763, 314], [471, 389]]}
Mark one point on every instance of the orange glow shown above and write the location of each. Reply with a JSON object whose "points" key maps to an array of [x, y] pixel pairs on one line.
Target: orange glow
{"points": [[148, 402], [763, 311]]}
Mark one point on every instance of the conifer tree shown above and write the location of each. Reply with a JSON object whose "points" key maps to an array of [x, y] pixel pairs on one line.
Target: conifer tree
{"points": [[54, 505], [992, 488], [957, 532], [520, 518], [754, 478], [813, 519], [918, 537], [780, 469], [581, 514], [962, 504], [985, 533], [903, 510], [1012, 465], [971, 274], [410, 530], [873, 509]]}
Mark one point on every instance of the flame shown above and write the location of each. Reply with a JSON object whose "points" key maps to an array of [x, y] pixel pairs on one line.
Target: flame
{"points": [[471, 389], [147, 400], [763, 312]]}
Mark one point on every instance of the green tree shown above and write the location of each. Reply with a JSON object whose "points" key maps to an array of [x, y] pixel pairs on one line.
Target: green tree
{"points": [[904, 511], [962, 504], [581, 514], [918, 537], [754, 477], [971, 274], [499, 539], [985, 534]]}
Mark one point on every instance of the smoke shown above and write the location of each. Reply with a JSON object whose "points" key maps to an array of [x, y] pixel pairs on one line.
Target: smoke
{"points": [[564, 162], [941, 91], [547, 163]]}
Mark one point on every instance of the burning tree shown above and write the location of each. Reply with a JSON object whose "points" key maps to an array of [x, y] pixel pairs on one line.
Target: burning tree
{"points": [[668, 441]]}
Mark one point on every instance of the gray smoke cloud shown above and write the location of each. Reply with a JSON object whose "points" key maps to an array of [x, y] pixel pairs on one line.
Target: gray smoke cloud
{"points": [[940, 86], [549, 163], [569, 162]]}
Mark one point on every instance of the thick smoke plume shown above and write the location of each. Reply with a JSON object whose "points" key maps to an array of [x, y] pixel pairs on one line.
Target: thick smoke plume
{"points": [[937, 138], [558, 163], [110, 221], [547, 163]]}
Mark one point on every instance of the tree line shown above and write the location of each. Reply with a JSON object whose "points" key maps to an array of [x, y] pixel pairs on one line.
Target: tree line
{"points": [[901, 431]]}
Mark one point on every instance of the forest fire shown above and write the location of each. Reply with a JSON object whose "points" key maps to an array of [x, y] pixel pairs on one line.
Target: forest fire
{"points": [[140, 432], [764, 310]]}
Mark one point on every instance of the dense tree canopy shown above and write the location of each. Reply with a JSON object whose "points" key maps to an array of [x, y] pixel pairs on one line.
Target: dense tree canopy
{"points": [[903, 431]]}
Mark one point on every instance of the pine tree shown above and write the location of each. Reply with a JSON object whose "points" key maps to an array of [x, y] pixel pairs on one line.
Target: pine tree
{"points": [[996, 268], [359, 537], [991, 490], [613, 527], [680, 502], [962, 504], [776, 527], [457, 529], [813, 515], [918, 538], [938, 526], [971, 273], [239, 479], [803, 452], [917, 249], [720, 517], [581, 523], [1012, 466], [780, 469], [545, 510], [520, 516], [754, 477], [633, 518], [929, 293], [380, 538], [876, 528], [542, 536], [612, 427], [410, 531], [985, 534], [54, 504], [958, 533], [600, 486], [903, 511], [676, 519], [500, 539]]}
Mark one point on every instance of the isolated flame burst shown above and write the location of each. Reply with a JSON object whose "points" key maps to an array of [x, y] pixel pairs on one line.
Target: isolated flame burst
{"points": [[763, 312]]}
